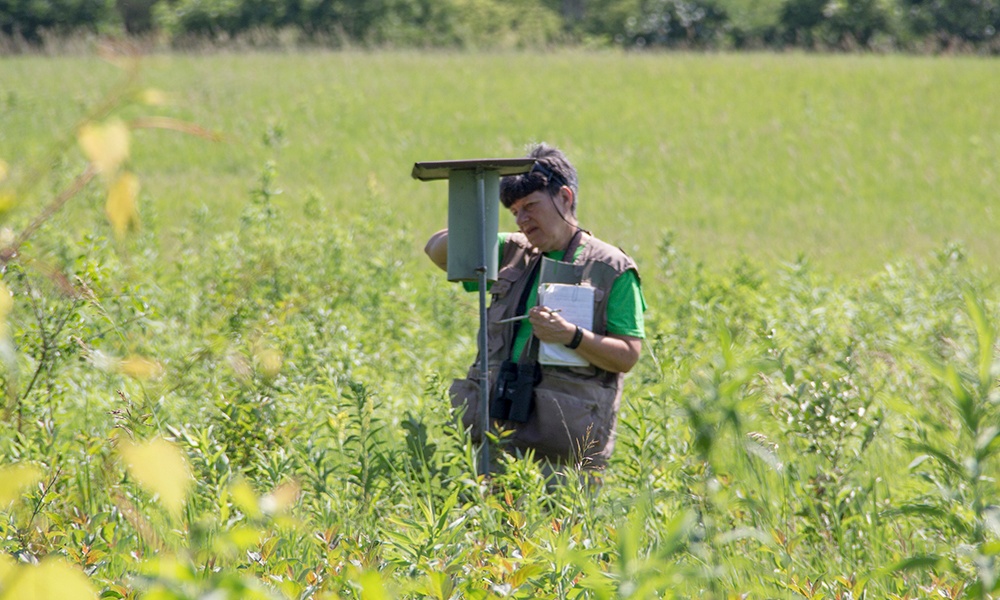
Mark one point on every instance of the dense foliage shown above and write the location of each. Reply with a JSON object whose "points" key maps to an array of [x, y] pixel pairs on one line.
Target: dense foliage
{"points": [[843, 24], [260, 412], [783, 436]]}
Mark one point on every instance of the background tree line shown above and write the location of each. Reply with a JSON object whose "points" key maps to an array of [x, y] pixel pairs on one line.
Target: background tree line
{"points": [[912, 25]]}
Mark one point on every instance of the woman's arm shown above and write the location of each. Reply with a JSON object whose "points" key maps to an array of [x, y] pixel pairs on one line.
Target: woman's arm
{"points": [[615, 353]]}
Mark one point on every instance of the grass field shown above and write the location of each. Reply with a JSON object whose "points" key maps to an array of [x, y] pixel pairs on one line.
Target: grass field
{"points": [[247, 398], [852, 161]]}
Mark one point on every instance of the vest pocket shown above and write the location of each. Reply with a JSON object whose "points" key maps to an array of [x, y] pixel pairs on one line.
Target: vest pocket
{"points": [[495, 336], [499, 288], [572, 420], [499, 301], [506, 278]]}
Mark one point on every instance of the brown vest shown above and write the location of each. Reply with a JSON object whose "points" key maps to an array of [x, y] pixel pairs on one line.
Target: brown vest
{"points": [[575, 408]]}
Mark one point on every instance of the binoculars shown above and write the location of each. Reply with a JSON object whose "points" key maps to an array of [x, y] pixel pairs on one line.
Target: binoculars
{"points": [[514, 391]]}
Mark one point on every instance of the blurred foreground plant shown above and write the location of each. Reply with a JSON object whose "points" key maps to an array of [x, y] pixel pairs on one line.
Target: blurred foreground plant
{"points": [[57, 306], [104, 138], [960, 466]]}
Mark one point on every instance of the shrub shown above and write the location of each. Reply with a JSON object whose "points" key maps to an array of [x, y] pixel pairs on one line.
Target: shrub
{"points": [[29, 19], [953, 21], [833, 23]]}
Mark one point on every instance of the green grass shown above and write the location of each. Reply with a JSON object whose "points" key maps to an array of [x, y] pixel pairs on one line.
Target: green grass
{"points": [[852, 161], [794, 429]]}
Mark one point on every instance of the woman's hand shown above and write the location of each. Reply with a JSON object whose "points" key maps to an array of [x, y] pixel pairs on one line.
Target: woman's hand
{"points": [[549, 326], [615, 353]]}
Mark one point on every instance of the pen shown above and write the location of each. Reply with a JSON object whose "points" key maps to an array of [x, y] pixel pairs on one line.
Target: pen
{"points": [[522, 317]]}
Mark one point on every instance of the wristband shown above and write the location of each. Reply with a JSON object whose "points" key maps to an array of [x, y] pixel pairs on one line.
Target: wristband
{"points": [[577, 338]]}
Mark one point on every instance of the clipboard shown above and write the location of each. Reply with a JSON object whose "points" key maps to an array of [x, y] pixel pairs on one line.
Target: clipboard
{"points": [[576, 304]]}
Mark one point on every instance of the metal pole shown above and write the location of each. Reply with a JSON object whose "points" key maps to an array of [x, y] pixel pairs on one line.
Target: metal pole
{"points": [[484, 359]]}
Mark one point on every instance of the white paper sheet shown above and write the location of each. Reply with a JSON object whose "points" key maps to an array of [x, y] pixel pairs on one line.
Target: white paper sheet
{"points": [[576, 303]]}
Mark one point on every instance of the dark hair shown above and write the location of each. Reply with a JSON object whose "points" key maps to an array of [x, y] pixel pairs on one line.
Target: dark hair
{"points": [[551, 171]]}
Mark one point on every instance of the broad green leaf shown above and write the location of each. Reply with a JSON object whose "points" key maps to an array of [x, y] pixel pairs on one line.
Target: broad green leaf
{"points": [[918, 563], [523, 574], [106, 145], [372, 587], [990, 548], [13, 480], [964, 400], [161, 469], [676, 532], [986, 335], [52, 578], [600, 584], [121, 206], [439, 585]]}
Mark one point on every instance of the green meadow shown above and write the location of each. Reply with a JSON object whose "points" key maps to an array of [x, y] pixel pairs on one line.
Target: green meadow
{"points": [[246, 396], [851, 161]]}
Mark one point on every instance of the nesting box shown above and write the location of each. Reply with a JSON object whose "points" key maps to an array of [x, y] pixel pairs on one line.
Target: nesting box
{"points": [[473, 210]]}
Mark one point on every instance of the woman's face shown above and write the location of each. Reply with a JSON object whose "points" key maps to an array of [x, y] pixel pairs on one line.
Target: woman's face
{"points": [[540, 221]]}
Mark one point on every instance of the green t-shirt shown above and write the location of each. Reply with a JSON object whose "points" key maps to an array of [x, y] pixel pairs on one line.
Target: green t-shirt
{"points": [[625, 303]]}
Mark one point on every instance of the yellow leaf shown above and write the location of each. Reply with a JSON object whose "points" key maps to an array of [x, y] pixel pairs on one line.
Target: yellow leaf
{"points": [[161, 469], [121, 205], [244, 537], [141, 368], [153, 97], [7, 566], [14, 479], [7, 198], [280, 499], [7, 201], [244, 498], [52, 578], [269, 360], [106, 145], [6, 301]]}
